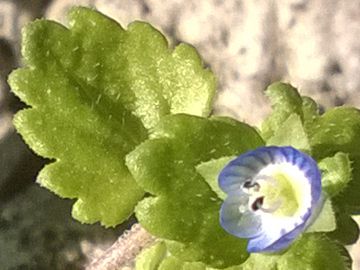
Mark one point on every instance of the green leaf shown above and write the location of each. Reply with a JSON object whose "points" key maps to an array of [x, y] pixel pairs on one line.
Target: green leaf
{"points": [[311, 252], [348, 200], [314, 251], [291, 133], [95, 89], [183, 207], [347, 230], [335, 131], [310, 112], [325, 221], [150, 258], [210, 171], [172, 263], [285, 100], [157, 257], [336, 173], [292, 116]]}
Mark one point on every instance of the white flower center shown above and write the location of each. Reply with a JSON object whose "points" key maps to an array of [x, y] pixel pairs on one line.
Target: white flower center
{"points": [[279, 189]]}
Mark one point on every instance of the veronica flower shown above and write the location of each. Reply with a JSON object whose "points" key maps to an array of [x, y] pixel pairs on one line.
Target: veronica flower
{"points": [[273, 194]]}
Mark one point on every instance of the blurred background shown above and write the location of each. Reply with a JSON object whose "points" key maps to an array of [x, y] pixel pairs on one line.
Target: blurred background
{"points": [[314, 44]]}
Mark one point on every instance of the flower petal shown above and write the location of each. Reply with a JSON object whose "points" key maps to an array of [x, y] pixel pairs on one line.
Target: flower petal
{"points": [[243, 168], [243, 225], [298, 191], [278, 235]]}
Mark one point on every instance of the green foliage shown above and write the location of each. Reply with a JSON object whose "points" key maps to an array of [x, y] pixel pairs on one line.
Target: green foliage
{"points": [[347, 230], [183, 208], [95, 89], [150, 258], [121, 115], [310, 252], [210, 170], [325, 221], [291, 132], [338, 131], [331, 138], [336, 173], [172, 263], [285, 100]]}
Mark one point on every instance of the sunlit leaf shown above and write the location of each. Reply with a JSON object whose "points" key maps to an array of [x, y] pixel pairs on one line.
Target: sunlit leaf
{"points": [[94, 90]]}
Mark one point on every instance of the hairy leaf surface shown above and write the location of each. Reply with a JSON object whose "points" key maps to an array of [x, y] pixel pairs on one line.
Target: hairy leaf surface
{"points": [[183, 207], [94, 90]]}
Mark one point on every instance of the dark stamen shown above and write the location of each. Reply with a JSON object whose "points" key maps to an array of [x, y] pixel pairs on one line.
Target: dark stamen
{"points": [[249, 184], [256, 205]]}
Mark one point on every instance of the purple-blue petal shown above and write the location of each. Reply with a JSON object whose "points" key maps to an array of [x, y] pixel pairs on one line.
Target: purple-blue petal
{"points": [[249, 164], [243, 225], [245, 168], [265, 242]]}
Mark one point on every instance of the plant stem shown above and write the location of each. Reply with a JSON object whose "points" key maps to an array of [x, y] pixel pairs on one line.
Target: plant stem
{"points": [[122, 254]]}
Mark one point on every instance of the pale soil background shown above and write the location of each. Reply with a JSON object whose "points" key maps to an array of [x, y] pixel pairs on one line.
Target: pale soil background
{"points": [[314, 45]]}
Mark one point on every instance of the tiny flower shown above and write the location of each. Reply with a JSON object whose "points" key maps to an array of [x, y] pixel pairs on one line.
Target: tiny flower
{"points": [[272, 193]]}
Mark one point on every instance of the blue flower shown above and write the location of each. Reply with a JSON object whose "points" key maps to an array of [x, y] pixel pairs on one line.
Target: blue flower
{"points": [[272, 193]]}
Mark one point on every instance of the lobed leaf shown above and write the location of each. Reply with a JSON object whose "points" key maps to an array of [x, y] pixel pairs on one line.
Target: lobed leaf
{"points": [[183, 208], [285, 100], [94, 90]]}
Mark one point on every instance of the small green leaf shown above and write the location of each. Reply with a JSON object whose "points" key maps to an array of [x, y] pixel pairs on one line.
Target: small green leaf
{"points": [[150, 258], [336, 173], [348, 200], [95, 89], [311, 252], [310, 112], [285, 100], [182, 207], [291, 133], [325, 221], [347, 230], [210, 171]]}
